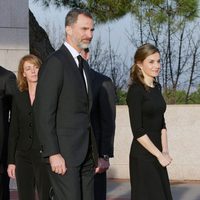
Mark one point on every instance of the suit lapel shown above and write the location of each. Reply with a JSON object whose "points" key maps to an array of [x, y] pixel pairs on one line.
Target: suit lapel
{"points": [[72, 64]]}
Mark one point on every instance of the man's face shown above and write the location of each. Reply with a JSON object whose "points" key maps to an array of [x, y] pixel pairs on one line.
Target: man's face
{"points": [[80, 34]]}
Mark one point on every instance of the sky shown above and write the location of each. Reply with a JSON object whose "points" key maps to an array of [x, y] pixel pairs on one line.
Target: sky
{"points": [[118, 29]]}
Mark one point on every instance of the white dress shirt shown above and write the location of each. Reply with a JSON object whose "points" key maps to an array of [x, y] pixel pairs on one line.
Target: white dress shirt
{"points": [[75, 53]]}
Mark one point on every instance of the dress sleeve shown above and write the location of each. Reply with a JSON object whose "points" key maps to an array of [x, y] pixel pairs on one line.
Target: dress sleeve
{"points": [[134, 101]]}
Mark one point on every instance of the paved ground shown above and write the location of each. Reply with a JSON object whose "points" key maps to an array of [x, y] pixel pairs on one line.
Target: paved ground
{"points": [[120, 190]]}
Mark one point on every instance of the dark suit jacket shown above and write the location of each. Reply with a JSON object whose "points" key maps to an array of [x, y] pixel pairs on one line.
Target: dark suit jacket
{"points": [[103, 112], [7, 90], [62, 108], [22, 136]]}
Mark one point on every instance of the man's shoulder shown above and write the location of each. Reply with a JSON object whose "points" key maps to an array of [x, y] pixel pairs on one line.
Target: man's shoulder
{"points": [[5, 72], [60, 54], [99, 76]]}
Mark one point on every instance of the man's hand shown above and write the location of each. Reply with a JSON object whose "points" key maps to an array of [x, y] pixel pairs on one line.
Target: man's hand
{"points": [[11, 171], [57, 163], [103, 165]]}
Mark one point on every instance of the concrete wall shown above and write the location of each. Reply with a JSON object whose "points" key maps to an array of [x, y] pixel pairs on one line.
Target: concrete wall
{"points": [[14, 32], [183, 122]]}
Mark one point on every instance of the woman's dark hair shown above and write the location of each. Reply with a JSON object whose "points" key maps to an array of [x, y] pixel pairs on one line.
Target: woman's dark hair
{"points": [[140, 55]]}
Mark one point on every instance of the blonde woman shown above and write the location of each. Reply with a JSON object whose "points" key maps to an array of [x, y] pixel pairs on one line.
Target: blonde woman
{"points": [[24, 159]]}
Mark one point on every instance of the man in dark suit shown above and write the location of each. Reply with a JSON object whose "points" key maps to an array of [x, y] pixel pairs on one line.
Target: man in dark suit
{"points": [[7, 90], [62, 109], [103, 124]]}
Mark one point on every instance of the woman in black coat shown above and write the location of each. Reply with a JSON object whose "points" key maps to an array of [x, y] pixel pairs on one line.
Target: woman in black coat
{"points": [[24, 159]]}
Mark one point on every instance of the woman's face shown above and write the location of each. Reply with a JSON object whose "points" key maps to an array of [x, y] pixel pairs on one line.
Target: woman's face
{"points": [[30, 72], [151, 65]]}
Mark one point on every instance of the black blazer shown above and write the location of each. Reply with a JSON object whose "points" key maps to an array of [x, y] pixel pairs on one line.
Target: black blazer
{"points": [[62, 108], [103, 112], [22, 136], [7, 90]]}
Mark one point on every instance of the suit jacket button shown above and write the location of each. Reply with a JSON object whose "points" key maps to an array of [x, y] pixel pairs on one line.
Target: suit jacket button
{"points": [[30, 136], [30, 124]]}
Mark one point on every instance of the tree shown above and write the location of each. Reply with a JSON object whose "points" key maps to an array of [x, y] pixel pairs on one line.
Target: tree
{"points": [[38, 39], [194, 97], [162, 22], [110, 63], [103, 10], [170, 24]]}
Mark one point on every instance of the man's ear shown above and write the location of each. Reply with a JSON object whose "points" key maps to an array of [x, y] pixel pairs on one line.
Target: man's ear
{"points": [[68, 30]]}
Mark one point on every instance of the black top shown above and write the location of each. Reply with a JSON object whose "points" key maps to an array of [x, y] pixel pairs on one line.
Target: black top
{"points": [[146, 111], [22, 136]]}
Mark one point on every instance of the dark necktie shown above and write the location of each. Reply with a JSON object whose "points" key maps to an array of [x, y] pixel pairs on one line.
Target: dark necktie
{"points": [[80, 67]]}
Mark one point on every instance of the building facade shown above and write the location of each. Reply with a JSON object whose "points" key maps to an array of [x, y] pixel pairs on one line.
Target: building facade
{"points": [[14, 32]]}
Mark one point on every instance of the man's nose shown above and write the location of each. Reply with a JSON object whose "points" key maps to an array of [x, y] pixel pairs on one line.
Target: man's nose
{"points": [[90, 34]]}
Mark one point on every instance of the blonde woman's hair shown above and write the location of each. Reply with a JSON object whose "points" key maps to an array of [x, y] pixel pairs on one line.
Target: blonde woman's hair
{"points": [[21, 80], [141, 54]]}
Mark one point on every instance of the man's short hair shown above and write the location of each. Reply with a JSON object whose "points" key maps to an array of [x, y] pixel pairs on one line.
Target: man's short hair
{"points": [[73, 14]]}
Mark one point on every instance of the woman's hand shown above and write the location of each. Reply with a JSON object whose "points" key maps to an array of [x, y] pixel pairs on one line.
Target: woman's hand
{"points": [[11, 171], [164, 159], [166, 154]]}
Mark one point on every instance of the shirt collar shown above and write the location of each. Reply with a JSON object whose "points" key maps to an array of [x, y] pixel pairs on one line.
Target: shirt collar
{"points": [[71, 49]]}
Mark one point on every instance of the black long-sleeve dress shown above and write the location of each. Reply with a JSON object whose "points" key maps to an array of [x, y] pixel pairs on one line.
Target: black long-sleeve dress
{"points": [[149, 180]]}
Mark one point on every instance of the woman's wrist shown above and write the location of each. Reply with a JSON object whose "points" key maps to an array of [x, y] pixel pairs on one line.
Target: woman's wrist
{"points": [[165, 152], [158, 155]]}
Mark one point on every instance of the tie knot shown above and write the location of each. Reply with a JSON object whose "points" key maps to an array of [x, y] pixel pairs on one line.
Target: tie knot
{"points": [[80, 59]]}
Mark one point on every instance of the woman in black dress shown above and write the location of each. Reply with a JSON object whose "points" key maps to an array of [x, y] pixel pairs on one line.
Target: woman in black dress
{"points": [[24, 159], [149, 153]]}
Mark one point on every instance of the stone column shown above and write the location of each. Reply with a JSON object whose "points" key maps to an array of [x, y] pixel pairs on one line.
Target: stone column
{"points": [[14, 32]]}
